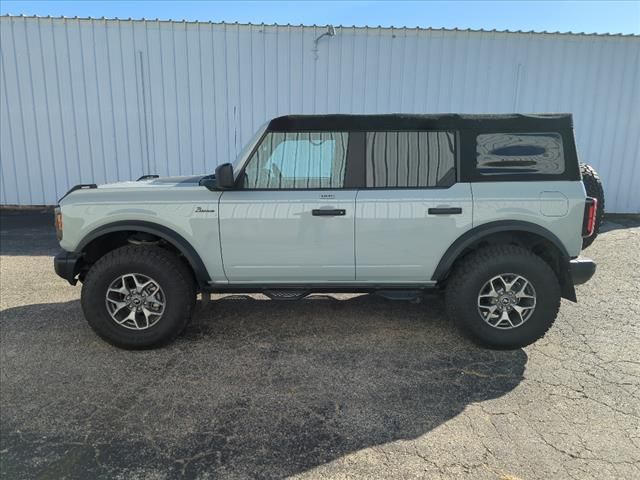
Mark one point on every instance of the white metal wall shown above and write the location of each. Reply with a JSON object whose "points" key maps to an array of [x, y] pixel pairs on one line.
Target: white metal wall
{"points": [[86, 101]]}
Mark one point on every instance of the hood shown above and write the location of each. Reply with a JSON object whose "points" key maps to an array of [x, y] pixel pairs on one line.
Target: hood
{"points": [[148, 183], [180, 181]]}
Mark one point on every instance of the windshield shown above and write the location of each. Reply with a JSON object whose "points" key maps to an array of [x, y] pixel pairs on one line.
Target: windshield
{"points": [[239, 161]]}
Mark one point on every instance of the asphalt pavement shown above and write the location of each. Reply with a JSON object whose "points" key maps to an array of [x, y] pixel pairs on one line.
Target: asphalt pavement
{"points": [[327, 387]]}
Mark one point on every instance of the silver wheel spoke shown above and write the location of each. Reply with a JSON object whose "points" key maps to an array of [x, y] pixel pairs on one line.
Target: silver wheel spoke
{"points": [[119, 305], [505, 317], [509, 284], [122, 290], [129, 281], [521, 293], [154, 299], [518, 312], [521, 311], [499, 281], [490, 309], [131, 316], [491, 294], [148, 315], [524, 295]]}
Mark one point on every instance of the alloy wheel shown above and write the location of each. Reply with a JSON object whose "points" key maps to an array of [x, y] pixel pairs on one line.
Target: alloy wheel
{"points": [[506, 301], [135, 301]]}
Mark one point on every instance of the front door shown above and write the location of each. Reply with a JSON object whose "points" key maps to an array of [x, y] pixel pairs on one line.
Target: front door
{"points": [[291, 220]]}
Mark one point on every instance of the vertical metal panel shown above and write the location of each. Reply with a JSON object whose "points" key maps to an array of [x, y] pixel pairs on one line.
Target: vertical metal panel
{"points": [[110, 100]]}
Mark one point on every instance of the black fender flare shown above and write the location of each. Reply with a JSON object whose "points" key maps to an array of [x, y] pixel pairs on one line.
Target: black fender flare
{"points": [[165, 233], [477, 233]]}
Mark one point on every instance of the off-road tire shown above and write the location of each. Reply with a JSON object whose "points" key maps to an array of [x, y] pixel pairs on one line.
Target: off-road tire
{"points": [[471, 274], [159, 264], [593, 186]]}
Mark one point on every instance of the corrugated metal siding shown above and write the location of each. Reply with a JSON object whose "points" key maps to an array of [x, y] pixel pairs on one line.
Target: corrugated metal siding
{"points": [[104, 100]]}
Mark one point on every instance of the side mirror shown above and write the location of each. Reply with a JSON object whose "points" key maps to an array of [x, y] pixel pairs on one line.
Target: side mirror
{"points": [[224, 176]]}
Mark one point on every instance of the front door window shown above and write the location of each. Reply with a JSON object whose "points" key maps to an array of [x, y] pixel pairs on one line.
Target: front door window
{"points": [[298, 160]]}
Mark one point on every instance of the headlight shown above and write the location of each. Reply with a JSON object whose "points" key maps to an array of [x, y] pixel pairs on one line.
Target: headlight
{"points": [[58, 223]]}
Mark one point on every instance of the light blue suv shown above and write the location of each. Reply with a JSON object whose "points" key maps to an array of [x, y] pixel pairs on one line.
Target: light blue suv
{"points": [[489, 208]]}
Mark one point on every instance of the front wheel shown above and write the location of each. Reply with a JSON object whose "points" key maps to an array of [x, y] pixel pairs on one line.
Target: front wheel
{"points": [[138, 297], [503, 296]]}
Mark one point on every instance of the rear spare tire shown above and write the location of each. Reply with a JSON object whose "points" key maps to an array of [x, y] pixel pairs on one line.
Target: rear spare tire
{"points": [[593, 186]]}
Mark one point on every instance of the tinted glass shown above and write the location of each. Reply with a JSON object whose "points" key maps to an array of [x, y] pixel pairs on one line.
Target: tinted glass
{"points": [[410, 159], [519, 153], [298, 160]]}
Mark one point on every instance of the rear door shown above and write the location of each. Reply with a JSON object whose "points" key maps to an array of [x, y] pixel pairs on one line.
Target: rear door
{"points": [[412, 209], [292, 218]]}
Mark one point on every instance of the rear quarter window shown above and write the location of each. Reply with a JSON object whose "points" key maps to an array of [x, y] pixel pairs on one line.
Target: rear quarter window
{"points": [[519, 153]]}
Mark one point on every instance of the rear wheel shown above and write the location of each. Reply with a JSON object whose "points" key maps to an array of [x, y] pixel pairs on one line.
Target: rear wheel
{"points": [[593, 186], [138, 297], [503, 296]]}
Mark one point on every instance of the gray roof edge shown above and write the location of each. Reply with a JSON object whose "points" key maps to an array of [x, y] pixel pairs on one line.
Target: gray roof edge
{"points": [[358, 27]]}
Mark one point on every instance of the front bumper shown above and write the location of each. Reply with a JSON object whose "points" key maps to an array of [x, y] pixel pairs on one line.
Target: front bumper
{"points": [[67, 266], [582, 269]]}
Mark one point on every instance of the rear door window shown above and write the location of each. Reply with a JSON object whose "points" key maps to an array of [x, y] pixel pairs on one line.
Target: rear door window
{"points": [[410, 159], [519, 153]]}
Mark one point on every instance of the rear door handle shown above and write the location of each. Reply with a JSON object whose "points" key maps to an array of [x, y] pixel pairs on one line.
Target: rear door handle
{"points": [[328, 212], [445, 211]]}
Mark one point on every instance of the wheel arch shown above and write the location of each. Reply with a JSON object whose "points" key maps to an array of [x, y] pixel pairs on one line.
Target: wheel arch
{"points": [[171, 237], [517, 232]]}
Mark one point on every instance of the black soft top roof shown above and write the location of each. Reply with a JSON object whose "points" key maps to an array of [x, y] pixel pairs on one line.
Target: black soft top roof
{"points": [[407, 121]]}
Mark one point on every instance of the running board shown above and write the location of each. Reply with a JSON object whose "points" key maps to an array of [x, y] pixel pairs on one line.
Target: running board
{"points": [[286, 294], [406, 295]]}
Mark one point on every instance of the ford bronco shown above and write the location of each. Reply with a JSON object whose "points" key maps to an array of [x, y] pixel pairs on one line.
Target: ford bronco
{"points": [[491, 209]]}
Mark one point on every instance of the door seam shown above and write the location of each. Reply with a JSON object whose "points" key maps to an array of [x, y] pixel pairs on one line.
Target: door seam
{"points": [[473, 206], [355, 214], [226, 277]]}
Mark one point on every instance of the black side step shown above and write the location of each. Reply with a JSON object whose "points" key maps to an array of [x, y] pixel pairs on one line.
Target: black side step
{"points": [[406, 295], [286, 294]]}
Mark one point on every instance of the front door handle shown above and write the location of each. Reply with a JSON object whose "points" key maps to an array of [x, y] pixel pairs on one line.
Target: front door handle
{"points": [[328, 212], [445, 211]]}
